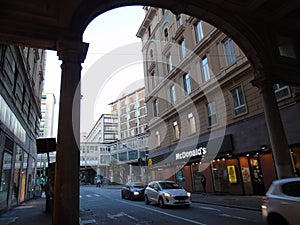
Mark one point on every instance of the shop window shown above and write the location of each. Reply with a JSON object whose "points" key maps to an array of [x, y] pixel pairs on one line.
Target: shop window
{"points": [[257, 176], [180, 177], [5, 178], [220, 175], [17, 172]]}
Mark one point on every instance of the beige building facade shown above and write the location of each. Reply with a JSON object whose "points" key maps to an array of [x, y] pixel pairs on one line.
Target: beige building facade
{"points": [[205, 116]]}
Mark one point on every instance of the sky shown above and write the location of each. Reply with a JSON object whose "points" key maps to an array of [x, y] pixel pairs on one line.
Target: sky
{"points": [[113, 64]]}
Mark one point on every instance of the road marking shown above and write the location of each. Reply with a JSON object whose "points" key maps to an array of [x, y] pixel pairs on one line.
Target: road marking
{"points": [[88, 196], [120, 215], [167, 214], [233, 217], [24, 207], [97, 195], [209, 208], [87, 221]]}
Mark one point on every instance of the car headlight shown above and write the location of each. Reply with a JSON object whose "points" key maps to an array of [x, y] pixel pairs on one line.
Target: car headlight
{"points": [[189, 194], [167, 195], [136, 193]]}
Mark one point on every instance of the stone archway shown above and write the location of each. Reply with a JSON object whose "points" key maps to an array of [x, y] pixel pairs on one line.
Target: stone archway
{"points": [[256, 42], [58, 25]]}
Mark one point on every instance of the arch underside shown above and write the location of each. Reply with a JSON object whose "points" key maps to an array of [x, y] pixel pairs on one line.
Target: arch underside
{"points": [[254, 25]]}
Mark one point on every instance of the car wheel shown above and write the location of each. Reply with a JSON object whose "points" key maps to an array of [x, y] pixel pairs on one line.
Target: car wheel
{"points": [[187, 206], [131, 196], [122, 195], [147, 202], [161, 203], [276, 219]]}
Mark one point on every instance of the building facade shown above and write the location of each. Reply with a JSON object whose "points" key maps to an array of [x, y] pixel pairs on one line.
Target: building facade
{"points": [[119, 159], [105, 129], [48, 102], [131, 147], [205, 116], [21, 85], [131, 111], [47, 111]]}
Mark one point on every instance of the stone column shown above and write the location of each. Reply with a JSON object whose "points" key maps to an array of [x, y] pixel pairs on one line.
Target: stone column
{"points": [[275, 127], [66, 188]]}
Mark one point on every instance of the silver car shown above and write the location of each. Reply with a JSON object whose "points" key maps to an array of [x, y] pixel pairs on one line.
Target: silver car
{"points": [[281, 204], [167, 193]]}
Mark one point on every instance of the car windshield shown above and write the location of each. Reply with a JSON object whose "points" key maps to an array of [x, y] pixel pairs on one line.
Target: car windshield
{"points": [[138, 185], [169, 185]]}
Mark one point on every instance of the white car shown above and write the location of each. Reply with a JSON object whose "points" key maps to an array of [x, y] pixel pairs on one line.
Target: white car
{"points": [[167, 193], [281, 205]]}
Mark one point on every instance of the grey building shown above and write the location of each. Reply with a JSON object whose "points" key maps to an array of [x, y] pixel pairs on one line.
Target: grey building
{"points": [[21, 85]]}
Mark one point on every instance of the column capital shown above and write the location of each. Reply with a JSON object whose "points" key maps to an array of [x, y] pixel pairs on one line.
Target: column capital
{"points": [[71, 51], [262, 79]]}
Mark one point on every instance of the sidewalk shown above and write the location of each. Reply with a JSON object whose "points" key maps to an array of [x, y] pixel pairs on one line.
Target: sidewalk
{"points": [[32, 212], [250, 202], [29, 213]]}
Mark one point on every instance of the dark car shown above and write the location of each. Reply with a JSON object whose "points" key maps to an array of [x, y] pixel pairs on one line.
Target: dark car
{"points": [[133, 191]]}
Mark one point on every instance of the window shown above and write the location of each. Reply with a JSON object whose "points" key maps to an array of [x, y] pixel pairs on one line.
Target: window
{"points": [[212, 115], [230, 56], [187, 84], [149, 30], [154, 79], [155, 108], [282, 91], [179, 20], [176, 130], [166, 33], [205, 69], [198, 31], [182, 48], [169, 63], [173, 94], [192, 124], [5, 178], [157, 134], [291, 189], [238, 100]]}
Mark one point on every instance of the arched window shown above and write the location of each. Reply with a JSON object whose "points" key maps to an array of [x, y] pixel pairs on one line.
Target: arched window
{"points": [[166, 33]]}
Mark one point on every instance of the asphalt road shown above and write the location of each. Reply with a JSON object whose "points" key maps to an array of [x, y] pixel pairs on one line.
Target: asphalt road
{"points": [[105, 206]]}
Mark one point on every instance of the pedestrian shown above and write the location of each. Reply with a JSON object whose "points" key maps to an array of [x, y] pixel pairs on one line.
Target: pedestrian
{"points": [[203, 182]]}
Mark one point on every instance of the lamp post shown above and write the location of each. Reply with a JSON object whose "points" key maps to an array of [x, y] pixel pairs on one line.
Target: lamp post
{"points": [[146, 167]]}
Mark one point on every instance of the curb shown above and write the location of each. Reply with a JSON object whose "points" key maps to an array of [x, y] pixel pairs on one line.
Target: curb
{"points": [[227, 205]]}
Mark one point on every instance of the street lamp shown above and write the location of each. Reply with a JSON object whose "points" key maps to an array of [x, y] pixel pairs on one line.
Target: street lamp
{"points": [[146, 167]]}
